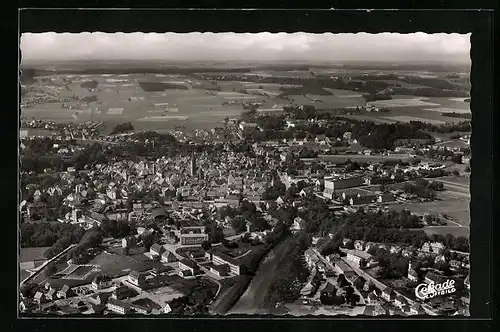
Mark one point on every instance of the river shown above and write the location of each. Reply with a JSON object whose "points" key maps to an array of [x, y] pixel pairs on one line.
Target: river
{"points": [[253, 300]]}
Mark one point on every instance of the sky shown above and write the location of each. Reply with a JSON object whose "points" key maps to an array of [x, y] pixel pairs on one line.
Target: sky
{"points": [[246, 47]]}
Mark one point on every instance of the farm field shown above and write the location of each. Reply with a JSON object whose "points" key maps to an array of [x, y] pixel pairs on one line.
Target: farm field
{"points": [[361, 158], [404, 118], [456, 208], [412, 111], [448, 110], [459, 180], [344, 93], [409, 108], [192, 102], [329, 101], [443, 230], [372, 117], [403, 101]]}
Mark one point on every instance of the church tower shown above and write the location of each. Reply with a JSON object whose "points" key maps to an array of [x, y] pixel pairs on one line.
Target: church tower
{"points": [[193, 164]]}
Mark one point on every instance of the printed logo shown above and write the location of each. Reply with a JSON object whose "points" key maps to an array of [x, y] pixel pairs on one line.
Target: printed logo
{"points": [[428, 291]]}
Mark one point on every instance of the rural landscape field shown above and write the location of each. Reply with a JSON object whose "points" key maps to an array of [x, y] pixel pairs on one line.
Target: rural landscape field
{"points": [[201, 99]]}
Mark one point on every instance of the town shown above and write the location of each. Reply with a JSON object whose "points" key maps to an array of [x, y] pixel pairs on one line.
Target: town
{"points": [[226, 174], [153, 223]]}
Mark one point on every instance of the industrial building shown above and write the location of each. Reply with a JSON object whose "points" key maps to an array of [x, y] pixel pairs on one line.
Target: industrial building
{"points": [[341, 183]]}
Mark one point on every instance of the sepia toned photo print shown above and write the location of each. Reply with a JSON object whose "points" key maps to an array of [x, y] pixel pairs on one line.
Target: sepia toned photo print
{"points": [[184, 174]]}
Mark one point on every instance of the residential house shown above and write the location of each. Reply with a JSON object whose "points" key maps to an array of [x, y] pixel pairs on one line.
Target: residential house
{"points": [[51, 294], [408, 252], [186, 273], [310, 257], [122, 292], [298, 224], [369, 245], [196, 254], [412, 274], [400, 301], [467, 282], [99, 298], [342, 268], [374, 310], [65, 292], [174, 306], [346, 241], [189, 265], [406, 309], [433, 247], [25, 305], [118, 306], [137, 278], [156, 250], [129, 242], [161, 270], [358, 257], [140, 309], [221, 270], [416, 309], [432, 278], [329, 290], [388, 294], [359, 245], [369, 285], [101, 281], [394, 249], [372, 298], [454, 264], [439, 259], [39, 298], [168, 257]]}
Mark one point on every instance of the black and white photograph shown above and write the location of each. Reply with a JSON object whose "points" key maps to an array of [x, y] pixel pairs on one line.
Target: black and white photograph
{"points": [[297, 174]]}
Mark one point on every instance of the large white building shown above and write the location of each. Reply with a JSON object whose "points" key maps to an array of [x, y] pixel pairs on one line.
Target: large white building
{"points": [[222, 259], [333, 184], [193, 235]]}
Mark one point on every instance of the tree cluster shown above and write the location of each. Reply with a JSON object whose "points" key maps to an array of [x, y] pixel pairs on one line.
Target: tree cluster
{"points": [[116, 229], [376, 96], [423, 188], [89, 84], [292, 273], [275, 191], [122, 128], [56, 235], [392, 265]]}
